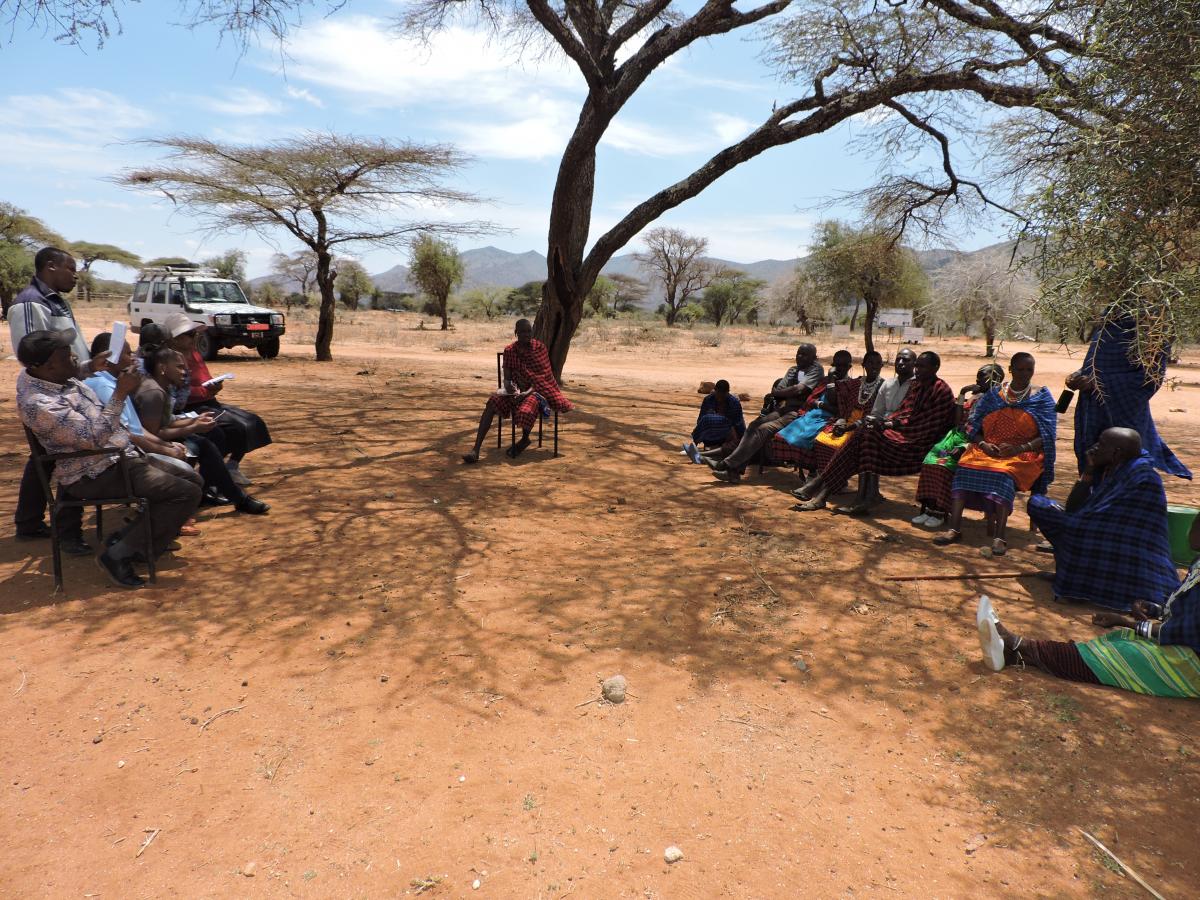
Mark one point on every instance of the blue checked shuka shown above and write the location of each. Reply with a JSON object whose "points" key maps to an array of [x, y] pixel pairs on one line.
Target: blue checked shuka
{"points": [[1123, 401], [1114, 549]]}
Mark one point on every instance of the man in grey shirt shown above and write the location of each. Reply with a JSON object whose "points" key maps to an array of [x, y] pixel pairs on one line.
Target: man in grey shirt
{"points": [[789, 395]]}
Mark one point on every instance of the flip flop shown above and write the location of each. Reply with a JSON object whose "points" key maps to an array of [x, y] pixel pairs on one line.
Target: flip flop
{"points": [[809, 506], [990, 641], [692, 453], [858, 509]]}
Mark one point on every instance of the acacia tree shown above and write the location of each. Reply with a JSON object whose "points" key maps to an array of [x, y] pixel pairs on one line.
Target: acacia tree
{"points": [[230, 264], [731, 297], [328, 191], [295, 268], [978, 291], [353, 282], [928, 63], [436, 268], [20, 236], [849, 265], [676, 261]]}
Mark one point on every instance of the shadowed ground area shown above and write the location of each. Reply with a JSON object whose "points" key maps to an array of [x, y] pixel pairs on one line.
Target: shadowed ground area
{"points": [[384, 687]]}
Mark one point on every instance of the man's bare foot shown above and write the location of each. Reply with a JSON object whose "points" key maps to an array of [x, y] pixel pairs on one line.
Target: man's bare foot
{"points": [[519, 447], [861, 508], [1011, 643], [471, 458], [809, 505], [805, 491]]}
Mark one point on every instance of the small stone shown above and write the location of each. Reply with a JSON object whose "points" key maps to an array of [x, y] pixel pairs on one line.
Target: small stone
{"points": [[245, 684], [672, 854], [799, 663], [383, 678], [120, 764], [613, 689], [476, 884], [97, 739], [249, 869], [462, 778], [195, 721]]}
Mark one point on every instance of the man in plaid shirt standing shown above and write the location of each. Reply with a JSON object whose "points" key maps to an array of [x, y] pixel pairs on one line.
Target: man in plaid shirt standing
{"points": [[529, 389]]}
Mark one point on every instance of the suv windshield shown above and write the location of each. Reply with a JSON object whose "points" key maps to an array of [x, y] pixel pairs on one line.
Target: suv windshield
{"points": [[213, 292]]}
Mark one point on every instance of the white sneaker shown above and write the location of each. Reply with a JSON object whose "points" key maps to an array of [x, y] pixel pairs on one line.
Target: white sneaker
{"points": [[920, 519], [990, 641], [934, 521]]}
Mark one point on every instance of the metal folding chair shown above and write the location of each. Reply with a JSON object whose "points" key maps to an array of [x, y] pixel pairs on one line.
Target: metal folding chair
{"points": [[513, 420], [59, 501]]}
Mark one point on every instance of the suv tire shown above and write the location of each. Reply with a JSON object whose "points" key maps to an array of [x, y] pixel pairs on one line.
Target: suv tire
{"points": [[269, 349], [205, 345]]}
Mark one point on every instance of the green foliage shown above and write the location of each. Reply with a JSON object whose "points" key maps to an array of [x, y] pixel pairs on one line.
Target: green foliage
{"points": [[1116, 199], [732, 297], [353, 283], [849, 265], [269, 294], [16, 269], [524, 300], [230, 264], [87, 252], [437, 269], [19, 227], [167, 261], [483, 302]]}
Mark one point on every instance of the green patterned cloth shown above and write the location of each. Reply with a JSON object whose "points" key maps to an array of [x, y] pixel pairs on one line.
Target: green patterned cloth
{"points": [[942, 453], [1121, 659]]}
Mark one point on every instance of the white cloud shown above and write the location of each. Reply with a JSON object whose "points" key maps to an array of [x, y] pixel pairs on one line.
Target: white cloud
{"points": [[730, 128], [304, 94], [78, 113], [97, 204], [241, 102]]}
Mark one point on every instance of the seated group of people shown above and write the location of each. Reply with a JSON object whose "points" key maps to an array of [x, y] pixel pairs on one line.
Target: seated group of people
{"points": [[1109, 540], [182, 447]]}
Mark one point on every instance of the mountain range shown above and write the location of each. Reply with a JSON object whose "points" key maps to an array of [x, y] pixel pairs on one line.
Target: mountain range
{"points": [[493, 267]]}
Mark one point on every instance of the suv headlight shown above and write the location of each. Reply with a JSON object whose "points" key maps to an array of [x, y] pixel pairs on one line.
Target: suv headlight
{"points": [[222, 320], [276, 318]]}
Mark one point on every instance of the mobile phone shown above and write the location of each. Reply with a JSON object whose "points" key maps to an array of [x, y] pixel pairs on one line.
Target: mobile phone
{"points": [[218, 415]]}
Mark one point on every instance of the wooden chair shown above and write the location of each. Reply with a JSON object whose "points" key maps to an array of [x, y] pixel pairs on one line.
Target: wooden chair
{"points": [[60, 502], [512, 419]]}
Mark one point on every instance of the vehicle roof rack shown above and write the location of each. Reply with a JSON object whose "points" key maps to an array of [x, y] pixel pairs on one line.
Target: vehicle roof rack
{"points": [[189, 269]]}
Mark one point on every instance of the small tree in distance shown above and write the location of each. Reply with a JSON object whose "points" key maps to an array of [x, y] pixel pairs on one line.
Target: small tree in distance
{"points": [[675, 260], [979, 292], [353, 282], [437, 269], [732, 297], [865, 266], [328, 191], [87, 253]]}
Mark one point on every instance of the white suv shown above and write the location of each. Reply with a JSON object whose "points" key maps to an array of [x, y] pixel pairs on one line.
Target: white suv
{"points": [[204, 296]]}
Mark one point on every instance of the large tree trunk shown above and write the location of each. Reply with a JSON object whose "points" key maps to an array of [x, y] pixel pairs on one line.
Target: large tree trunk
{"points": [[854, 316], [989, 334], [567, 285], [443, 303], [325, 277]]}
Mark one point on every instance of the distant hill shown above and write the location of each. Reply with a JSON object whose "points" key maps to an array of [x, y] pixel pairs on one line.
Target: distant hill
{"points": [[493, 267]]}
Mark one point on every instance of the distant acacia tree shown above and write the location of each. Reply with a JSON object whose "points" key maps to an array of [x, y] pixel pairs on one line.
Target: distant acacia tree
{"points": [[328, 191], [732, 297], [675, 260], [865, 266], [295, 268], [524, 300], [230, 264], [21, 235], [978, 291], [353, 282], [485, 301], [168, 261], [86, 253], [437, 269]]}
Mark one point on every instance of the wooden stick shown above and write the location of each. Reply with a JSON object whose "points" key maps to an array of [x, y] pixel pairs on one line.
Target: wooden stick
{"points": [[22, 687], [1128, 871], [146, 843], [978, 576], [758, 574], [223, 712]]}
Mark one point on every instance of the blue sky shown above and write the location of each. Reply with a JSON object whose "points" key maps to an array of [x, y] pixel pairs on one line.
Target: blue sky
{"points": [[67, 114]]}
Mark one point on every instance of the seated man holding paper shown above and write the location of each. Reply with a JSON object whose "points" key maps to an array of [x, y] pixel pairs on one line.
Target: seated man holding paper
{"points": [[66, 416], [238, 431]]}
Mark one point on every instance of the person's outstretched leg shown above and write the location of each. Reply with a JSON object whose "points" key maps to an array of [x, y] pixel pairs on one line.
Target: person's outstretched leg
{"points": [[485, 425]]}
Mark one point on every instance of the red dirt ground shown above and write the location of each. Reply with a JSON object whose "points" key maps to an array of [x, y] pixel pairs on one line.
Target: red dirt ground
{"points": [[394, 666]]}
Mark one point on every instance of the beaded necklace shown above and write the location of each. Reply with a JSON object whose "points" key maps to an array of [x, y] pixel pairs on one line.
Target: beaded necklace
{"points": [[866, 388], [1010, 396]]}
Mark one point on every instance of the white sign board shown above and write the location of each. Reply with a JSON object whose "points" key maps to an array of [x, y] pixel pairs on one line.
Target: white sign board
{"points": [[894, 318], [841, 331], [914, 335]]}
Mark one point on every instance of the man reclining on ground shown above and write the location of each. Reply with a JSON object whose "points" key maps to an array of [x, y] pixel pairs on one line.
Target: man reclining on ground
{"points": [[66, 416], [528, 382]]}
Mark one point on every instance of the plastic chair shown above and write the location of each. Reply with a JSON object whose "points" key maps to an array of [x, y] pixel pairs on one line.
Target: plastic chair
{"points": [[512, 419], [59, 502]]}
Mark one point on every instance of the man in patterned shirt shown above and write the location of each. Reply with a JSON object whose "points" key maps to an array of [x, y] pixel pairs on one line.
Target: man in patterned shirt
{"points": [[66, 416], [529, 388]]}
